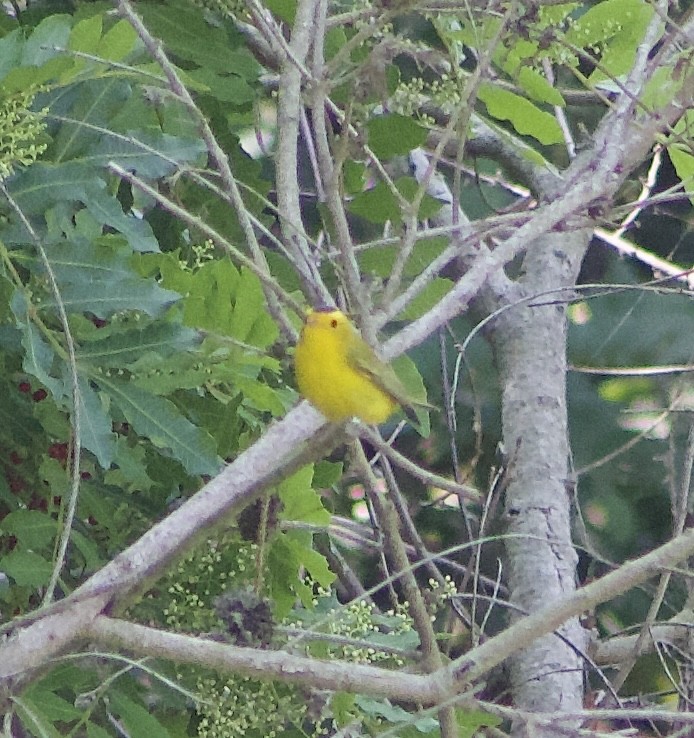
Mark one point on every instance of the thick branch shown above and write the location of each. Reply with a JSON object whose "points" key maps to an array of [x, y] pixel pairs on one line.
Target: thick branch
{"points": [[251, 662]]}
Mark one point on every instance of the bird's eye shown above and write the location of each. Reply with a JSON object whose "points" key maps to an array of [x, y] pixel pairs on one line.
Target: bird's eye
{"points": [[333, 323]]}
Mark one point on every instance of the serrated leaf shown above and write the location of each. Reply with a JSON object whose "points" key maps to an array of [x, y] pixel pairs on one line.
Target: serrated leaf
{"points": [[96, 434], [327, 473], [160, 420], [147, 154], [126, 348], [130, 470], [38, 355], [394, 134], [20, 79], [288, 554], [208, 294], [107, 210], [42, 184], [28, 569], [525, 117], [31, 528], [260, 396], [185, 31], [300, 500], [98, 279], [315, 563]]}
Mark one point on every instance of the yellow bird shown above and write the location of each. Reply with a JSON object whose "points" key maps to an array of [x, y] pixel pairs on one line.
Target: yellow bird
{"points": [[339, 373]]}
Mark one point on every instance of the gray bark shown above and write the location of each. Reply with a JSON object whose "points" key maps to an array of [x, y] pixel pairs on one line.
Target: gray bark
{"points": [[530, 344]]}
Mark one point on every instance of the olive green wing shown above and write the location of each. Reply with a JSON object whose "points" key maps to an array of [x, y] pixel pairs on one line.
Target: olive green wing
{"points": [[363, 358]]}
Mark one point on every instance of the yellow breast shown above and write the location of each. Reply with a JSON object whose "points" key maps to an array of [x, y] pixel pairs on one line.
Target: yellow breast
{"points": [[326, 379]]}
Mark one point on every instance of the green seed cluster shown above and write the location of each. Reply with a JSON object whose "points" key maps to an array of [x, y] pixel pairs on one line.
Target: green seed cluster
{"points": [[202, 576], [20, 131], [241, 706]]}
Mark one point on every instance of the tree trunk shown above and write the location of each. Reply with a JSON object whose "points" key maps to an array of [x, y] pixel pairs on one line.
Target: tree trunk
{"points": [[530, 345]]}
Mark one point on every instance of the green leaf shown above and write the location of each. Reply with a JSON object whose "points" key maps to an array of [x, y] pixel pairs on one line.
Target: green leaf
{"points": [[525, 117], [28, 569], [89, 551], [354, 176], [86, 34], [301, 502], [249, 321], [538, 88], [96, 731], [379, 205], [394, 714], [117, 43], [10, 52], [288, 554], [138, 721], [97, 278], [50, 706], [96, 433], [426, 299], [184, 30], [284, 9], [470, 721], [315, 563], [130, 472], [108, 211], [683, 162], [409, 374], [327, 473], [34, 722], [39, 186], [260, 396], [342, 707], [52, 34], [228, 88], [160, 420], [124, 349], [150, 155], [39, 356], [32, 528], [393, 134], [20, 79], [613, 29]]}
